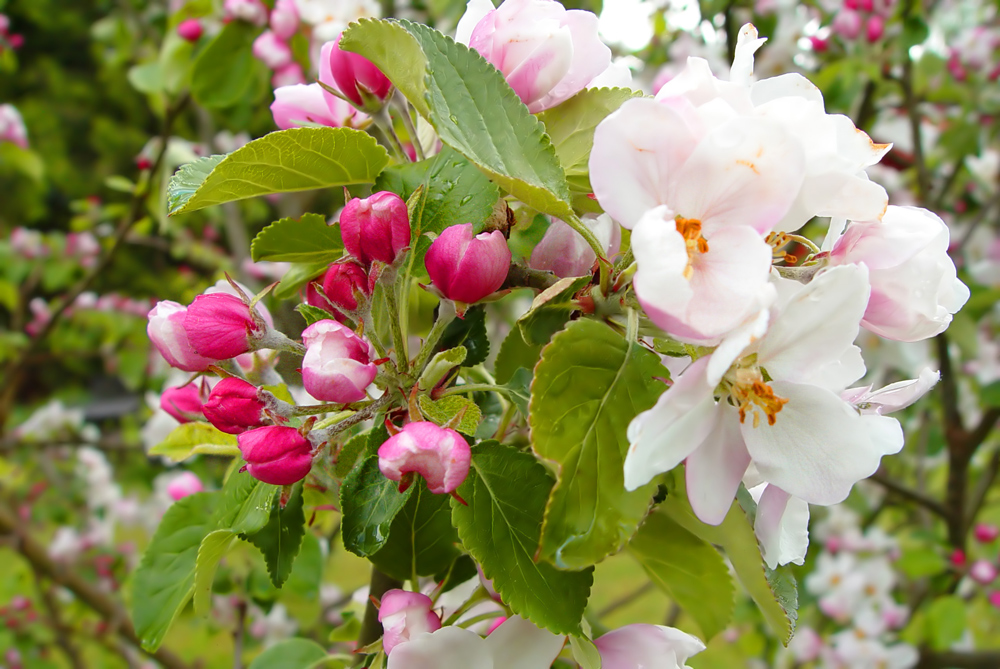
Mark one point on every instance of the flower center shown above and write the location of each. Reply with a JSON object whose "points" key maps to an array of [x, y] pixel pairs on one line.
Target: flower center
{"points": [[690, 230], [752, 394]]}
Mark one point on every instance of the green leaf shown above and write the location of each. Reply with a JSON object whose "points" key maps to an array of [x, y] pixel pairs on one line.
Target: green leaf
{"points": [[280, 540], [774, 595], [246, 503], [469, 332], [518, 390], [946, 619], [223, 71], [455, 192], [164, 581], [506, 491], [688, 569], [422, 539], [311, 313], [299, 275], [369, 502], [348, 455], [307, 240], [486, 123], [146, 78], [213, 548], [439, 366], [571, 126], [191, 438], [550, 310], [515, 353], [588, 386], [282, 162], [290, 654], [443, 410], [585, 652]]}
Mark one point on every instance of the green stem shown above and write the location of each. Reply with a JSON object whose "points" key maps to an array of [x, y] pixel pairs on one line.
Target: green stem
{"points": [[404, 108], [446, 314], [483, 616], [508, 415], [384, 122], [395, 318], [474, 388], [479, 595]]}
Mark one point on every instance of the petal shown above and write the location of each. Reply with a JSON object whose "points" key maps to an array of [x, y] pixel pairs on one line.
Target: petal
{"points": [[447, 648], [591, 58], [519, 644], [735, 343], [662, 437], [791, 84], [782, 527], [896, 396], [475, 12], [819, 446], [637, 152], [745, 172], [714, 470], [534, 77], [811, 339], [747, 44]]}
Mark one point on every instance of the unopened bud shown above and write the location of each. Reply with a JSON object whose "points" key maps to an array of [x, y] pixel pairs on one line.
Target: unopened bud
{"points": [[343, 282], [233, 407], [221, 326], [337, 366], [986, 533], [276, 455], [166, 331], [375, 228], [184, 484], [190, 30], [184, 403], [438, 454], [983, 572], [466, 267], [356, 77], [404, 615]]}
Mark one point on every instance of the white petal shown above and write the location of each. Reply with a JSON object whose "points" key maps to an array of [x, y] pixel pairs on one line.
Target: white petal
{"points": [[736, 342], [782, 526], [896, 396], [519, 644], [663, 436], [791, 84], [475, 12], [447, 648], [638, 151], [811, 339], [819, 446], [747, 44], [713, 472]]}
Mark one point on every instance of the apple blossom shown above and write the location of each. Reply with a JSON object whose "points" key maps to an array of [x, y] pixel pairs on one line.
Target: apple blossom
{"points": [[354, 76], [440, 455], [546, 53], [301, 105], [166, 331], [184, 403], [986, 533], [221, 326], [337, 366], [234, 406], [12, 127], [342, 284], [190, 30], [184, 484], [405, 615], [983, 572], [284, 19], [564, 252], [276, 455], [329, 18], [289, 75], [272, 50], [467, 268], [251, 11], [375, 227], [915, 289], [641, 645], [781, 526]]}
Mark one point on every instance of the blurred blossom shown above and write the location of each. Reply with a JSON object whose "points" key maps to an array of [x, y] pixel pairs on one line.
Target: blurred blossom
{"points": [[251, 11], [329, 18], [12, 127], [628, 23], [272, 627]]}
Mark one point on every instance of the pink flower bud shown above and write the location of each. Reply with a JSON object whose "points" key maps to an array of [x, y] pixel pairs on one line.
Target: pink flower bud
{"points": [[994, 598], [375, 228], [405, 615], [276, 455], [271, 50], [467, 268], [564, 252], [166, 331], [300, 105], [819, 45], [495, 624], [285, 19], [874, 28], [220, 326], [190, 30], [438, 454], [983, 572], [641, 645], [986, 533], [337, 366], [546, 53], [914, 286], [233, 406], [251, 11], [289, 75], [342, 283], [847, 24], [184, 484], [354, 76], [957, 558], [184, 403]]}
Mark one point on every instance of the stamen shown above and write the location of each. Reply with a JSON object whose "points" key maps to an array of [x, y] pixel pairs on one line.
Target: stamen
{"points": [[690, 230], [752, 394]]}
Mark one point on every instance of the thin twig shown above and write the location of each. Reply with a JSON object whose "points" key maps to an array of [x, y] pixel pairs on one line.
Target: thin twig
{"points": [[63, 632], [923, 500]]}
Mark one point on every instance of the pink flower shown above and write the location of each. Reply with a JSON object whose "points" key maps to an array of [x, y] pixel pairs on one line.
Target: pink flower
{"points": [[546, 53], [354, 76], [289, 75], [184, 484], [640, 645], [337, 366], [375, 228], [184, 403], [994, 598], [439, 454], [915, 288], [300, 105], [342, 284], [284, 19], [405, 615], [986, 533], [276, 455], [12, 127], [233, 407], [983, 572], [220, 326], [166, 331], [251, 11], [564, 252], [847, 24], [271, 50], [874, 28], [190, 30], [467, 268]]}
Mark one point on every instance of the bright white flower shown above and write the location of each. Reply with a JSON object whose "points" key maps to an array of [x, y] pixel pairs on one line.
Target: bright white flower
{"points": [[516, 644], [641, 645], [329, 18], [774, 401], [858, 651]]}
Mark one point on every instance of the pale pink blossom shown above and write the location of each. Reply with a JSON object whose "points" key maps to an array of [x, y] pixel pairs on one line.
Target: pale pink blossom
{"points": [[404, 616], [272, 50], [337, 366], [781, 526], [564, 252], [983, 572], [166, 331], [184, 484], [302, 105], [289, 75], [284, 19], [440, 455], [640, 645], [12, 127], [251, 11], [546, 53]]}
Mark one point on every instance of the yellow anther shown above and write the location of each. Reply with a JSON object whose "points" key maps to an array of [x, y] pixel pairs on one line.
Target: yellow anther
{"points": [[690, 230]]}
